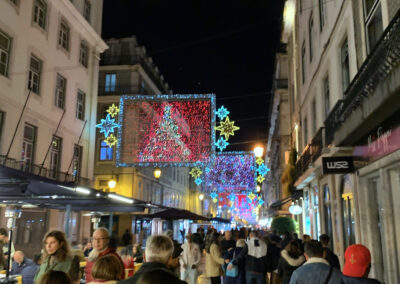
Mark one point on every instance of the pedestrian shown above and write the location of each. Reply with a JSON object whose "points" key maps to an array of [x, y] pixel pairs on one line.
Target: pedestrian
{"points": [[285, 241], [255, 253], [57, 256], [55, 277], [199, 239], [126, 237], [273, 256], [137, 253], [241, 277], [157, 254], [291, 258], [88, 248], [158, 276], [357, 264], [174, 260], [19, 263], [106, 270], [296, 238], [189, 260], [101, 247], [329, 255], [29, 272], [316, 269], [214, 260], [127, 258], [209, 238], [5, 240]]}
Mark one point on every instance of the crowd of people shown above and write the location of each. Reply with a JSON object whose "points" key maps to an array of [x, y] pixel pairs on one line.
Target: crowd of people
{"points": [[234, 257]]}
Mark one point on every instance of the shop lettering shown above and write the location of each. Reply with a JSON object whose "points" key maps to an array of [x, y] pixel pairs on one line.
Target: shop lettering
{"points": [[337, 165], [381, 143]]}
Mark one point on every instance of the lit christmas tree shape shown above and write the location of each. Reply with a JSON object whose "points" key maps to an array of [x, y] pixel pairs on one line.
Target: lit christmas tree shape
{"points": [[259, 161], [166, 130], [111, 140], [198, 181], [107, 125], [113, 110], [221, 144], [263, 169], [222, 112], [260, 179], [196, 172], [227, 128], [213, 195]]}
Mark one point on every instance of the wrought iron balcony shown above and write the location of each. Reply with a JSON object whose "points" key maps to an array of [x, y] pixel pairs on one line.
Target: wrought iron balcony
{"points": [[310, 153], [133, 59], [384, 57]]}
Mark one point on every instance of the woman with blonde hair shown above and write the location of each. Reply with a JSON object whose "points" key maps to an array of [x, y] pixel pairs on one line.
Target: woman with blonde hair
{"points": [[57, 257], [106, 270]]}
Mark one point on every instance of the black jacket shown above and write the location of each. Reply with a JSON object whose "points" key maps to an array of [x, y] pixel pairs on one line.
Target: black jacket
{"points": [[332, 258], [287, 264], [253, 264]]}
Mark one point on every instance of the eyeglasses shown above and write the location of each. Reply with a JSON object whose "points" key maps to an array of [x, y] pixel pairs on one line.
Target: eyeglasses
{"points": [[99, 239]]}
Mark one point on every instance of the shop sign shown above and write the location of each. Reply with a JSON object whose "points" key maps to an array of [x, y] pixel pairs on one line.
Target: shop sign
{"points": [[337, 165]]}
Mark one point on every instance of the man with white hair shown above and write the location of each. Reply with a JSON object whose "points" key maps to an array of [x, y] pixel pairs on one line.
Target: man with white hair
{"points": [[100, 243], [19, 263], [157, 253]]}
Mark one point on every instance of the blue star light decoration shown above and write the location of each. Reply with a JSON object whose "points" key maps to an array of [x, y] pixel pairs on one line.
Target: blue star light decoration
{"points": [[221, 144], [260, 202], [222, 112], [263, 170], [107, 125], [213, 195], [198, 181]]}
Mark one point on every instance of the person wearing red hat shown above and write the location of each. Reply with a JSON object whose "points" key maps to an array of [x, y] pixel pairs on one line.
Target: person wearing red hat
{"points": [[357, 265]]}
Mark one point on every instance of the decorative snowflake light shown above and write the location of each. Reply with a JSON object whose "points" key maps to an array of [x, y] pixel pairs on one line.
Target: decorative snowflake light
{"points": [[198, 181], [251, 196], [263, 169], [260, 202], [259, 161], [222, 112], [260, 179], [113, 110], [215, 200], [227, 128], [196, 172], [221, 144], [111, 140], [213, 195], [107, 125]]}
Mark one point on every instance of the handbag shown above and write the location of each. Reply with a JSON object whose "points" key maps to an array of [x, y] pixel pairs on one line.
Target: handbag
{"points": [[234, 271]]}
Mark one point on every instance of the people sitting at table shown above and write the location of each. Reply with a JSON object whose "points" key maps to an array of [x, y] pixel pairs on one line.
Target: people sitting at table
{"points": [[127, 259], [28, 273], [19, 263], [137, 253]]}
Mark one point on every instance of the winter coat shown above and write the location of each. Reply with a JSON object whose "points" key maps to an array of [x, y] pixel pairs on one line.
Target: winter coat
{"points": [[16, 268], [190, 256], [68, 266], [332, 258], [315, 270], [255, 253], [241, 278], [287, 265], [273, 256], [356, 280], [214, 261]]}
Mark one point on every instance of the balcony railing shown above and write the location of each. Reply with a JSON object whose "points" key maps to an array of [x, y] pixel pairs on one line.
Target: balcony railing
{"points": [[311, 153], [379, 64], [40, 171], [133, 59]]}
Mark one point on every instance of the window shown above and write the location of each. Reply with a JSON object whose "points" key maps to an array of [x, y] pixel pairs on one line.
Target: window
{"points": [[76, 162], [326, 97], [301, 6], [347, 213], [2, 119], [39, 13], [55, 157], [61, 85], [310, 38], [344, 52], [305, 127], [303, 57], [83, 54], [373, 22], [28, 146], [321, 4], [5, 49], [110, 82], [328, 214], [63, 37], [106, 152], [80, 105], [87, 10], [314, 116], [34, 74]]}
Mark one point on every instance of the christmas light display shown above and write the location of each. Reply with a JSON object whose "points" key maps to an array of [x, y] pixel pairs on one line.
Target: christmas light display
{"points": [[259, 161], [113, 110], [260, 179], [231, 171], [213, 195], [222, 112], [221, 143], [251, 196], [263, 170], [196, 172], [227, 128], [111, 140], [107, 125], [198, 181], [166, 130]]}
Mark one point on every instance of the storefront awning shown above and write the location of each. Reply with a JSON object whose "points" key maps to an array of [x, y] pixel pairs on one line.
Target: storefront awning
{"points": [[176, 214]]}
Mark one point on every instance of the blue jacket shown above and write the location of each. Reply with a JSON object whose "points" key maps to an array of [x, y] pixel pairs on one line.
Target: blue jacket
{"points": [[17, 268], [355, 280], [28, 273], [315, 271]]}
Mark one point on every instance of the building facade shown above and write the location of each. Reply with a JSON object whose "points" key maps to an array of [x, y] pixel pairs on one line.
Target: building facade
{"points": [[345, 106], [49, 66]]}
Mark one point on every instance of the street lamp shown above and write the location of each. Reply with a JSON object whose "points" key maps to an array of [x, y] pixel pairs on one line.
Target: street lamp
{"points": [[201, 197], [157, 173], [112, 183], [258, 188], [258, 151]]}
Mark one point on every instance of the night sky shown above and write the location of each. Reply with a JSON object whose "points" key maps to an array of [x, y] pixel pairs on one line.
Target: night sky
{"points": [[225, 47]]}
